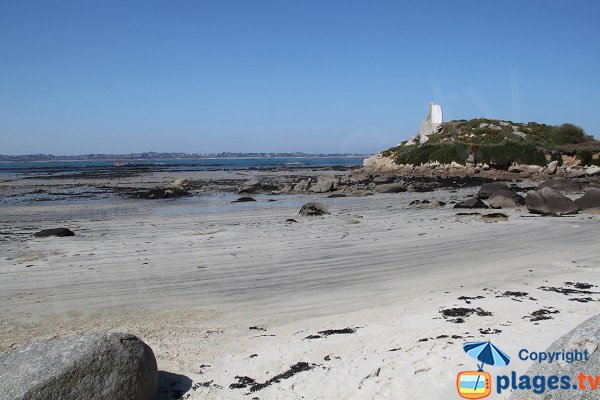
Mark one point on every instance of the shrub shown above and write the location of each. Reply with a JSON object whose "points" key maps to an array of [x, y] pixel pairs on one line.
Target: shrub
{"points": [[587, 158], [556, 156], [502, 156], [443, 153], [567, 133]]}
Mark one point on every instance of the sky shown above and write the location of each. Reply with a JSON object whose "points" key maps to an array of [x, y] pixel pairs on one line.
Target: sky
{"points": [[80, 77]]}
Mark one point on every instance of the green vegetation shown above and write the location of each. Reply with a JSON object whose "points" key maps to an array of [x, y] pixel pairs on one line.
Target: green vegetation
{"points": [[443, 153], [502, 156], [498, 143], [567, 133], [587, 158]]}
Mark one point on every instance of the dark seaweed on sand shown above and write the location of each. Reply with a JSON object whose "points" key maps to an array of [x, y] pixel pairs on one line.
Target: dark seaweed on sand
{"points": [[245, 381]]}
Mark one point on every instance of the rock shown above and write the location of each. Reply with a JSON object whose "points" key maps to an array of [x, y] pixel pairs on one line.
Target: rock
{"points": [[243, 200], [494, 217], [505, 199], [585, 337], [94, 366], [324, 184], [487, 189], [427, 203], [516, 168], [548, 201], [590, 201], [552, 165], [390, 188], [59, 232], [161, 193], [336, 195], [250, 186], [313, 208], [561, 184], [180, 183], [301, 186], [577, 173], [472, 202], [592, 171], [384, 178]]}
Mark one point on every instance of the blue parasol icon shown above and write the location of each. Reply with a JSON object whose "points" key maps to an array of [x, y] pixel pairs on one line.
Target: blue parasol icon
{"points": [[487, 353]]}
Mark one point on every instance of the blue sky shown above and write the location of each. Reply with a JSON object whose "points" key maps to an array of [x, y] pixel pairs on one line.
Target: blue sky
{"points": [[317, 76]]}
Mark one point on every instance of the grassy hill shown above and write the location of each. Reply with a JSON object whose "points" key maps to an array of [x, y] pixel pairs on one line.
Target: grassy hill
{"points": [[499, 143]]}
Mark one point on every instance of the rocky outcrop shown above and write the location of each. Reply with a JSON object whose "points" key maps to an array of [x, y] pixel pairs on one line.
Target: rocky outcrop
{"points": [[590, 201], [325, 184], [472, 202], [93, 366], [548, 201], [585, 337], [562, 184], [58, 232], [505, 199], [313, 208], [391, 188], [487, 189], [426, 203]]}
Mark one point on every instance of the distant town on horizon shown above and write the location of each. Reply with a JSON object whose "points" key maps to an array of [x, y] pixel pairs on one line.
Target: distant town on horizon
{"points": [[151, 155]]}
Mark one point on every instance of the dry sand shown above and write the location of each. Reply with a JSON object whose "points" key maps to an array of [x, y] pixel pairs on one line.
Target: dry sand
{"points": [[192, 276]]}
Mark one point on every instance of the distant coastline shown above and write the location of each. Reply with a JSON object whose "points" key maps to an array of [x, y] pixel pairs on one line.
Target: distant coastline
{"points": [[177, 156]]}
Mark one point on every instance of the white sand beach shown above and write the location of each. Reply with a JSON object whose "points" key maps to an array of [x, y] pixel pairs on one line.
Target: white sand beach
{"points": [[220, 290]]}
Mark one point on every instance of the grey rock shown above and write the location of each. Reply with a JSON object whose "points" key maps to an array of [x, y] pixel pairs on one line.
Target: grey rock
{"points": [[390, 188], [92, 366], [244, 199], [472, 202], [505, 199], [552, 165], [487, 189], [324, 184], [585, 337], [180, 183], [313, 208], [561, 184], [250, 186], [494, 217], [301, 186], [590, 201], [59, 232], [426, 203], [548, 201]]}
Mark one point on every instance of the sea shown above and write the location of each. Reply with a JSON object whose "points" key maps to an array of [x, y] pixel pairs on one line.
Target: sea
{"points": [[200, 164]]}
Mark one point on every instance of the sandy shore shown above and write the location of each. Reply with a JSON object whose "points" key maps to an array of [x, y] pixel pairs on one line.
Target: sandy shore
{"points": [[221, 290]]}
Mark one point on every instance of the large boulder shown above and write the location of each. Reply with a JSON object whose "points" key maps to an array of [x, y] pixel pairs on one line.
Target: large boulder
{"points": [[505, 199], [58, 232], [590, 201], [324, 184], [313, 208], [472, 202], [390, 188], [487, 189], [585, 337], [560, 183], [100, 365], [552, 166], [549, 201]]}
